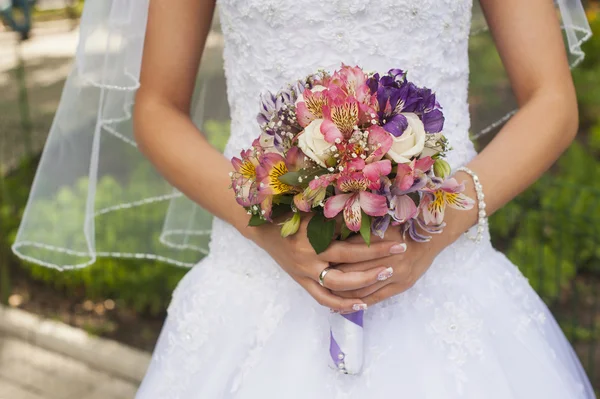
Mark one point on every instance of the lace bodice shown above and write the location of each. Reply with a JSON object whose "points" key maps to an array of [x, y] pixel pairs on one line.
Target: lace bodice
{"points": [[270, 43]]}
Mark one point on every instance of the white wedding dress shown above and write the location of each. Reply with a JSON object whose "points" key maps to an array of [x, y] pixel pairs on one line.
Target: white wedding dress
{"points": [[471, 327]]}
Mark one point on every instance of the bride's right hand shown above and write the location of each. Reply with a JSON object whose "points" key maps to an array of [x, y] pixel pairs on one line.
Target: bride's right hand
{"points": [[297, 257]]}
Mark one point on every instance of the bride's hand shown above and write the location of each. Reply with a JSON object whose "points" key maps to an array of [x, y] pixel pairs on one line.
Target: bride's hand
{"points": [[405, 269], [296, 256]]}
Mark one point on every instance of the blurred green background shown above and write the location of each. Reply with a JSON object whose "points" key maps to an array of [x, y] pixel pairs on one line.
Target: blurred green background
{"points": [[552, 231]]}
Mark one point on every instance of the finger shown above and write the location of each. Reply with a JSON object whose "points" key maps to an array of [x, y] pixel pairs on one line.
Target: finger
{"points": [[390, 261], [325, 298], [382, 294], [363, 292], [345, 252], [339, 281]]}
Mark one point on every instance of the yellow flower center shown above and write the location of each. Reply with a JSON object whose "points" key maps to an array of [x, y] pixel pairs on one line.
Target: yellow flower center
{"points": [[278, 170], [315, 105], [345, 117], [438, 201], [354, 185], [248, 170]]}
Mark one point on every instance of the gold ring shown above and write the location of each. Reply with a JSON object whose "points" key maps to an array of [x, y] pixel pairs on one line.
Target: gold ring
{"points": [[322, 276]]}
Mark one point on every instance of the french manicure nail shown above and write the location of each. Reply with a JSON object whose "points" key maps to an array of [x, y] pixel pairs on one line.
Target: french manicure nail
{"points": [[384, 275], [398, 248], [359, 306]]}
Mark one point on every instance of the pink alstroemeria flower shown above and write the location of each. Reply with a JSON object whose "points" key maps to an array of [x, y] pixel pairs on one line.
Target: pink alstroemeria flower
{"points": [[353, 81], [315, 193], [449, 193], [353, 198], [341, 117], [311, 107], [404, 208], [270, 168], [412, 177], [243, 180], [379, 142]]}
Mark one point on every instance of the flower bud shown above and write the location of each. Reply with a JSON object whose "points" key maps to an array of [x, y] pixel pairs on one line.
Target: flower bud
{"points": [[441, 168], [291, 226]]}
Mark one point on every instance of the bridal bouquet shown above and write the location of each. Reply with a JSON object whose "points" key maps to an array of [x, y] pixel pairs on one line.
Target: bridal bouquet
{"points": [[365, 145]]}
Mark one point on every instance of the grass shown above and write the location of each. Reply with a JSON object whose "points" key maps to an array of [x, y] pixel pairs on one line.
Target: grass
{"points": [[73, 12]]}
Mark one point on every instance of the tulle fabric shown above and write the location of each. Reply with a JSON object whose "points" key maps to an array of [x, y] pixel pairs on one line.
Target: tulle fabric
{"points": [[472, 327], [95, 195]]}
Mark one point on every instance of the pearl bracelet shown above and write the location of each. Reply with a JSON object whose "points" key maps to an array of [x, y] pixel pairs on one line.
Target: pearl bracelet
{"points": [[480, 205]]}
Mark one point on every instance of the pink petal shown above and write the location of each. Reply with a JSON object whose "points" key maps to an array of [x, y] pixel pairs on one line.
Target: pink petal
{"points": [[459, 201], [237, 163], [373, 204], [322, 181], [404, 177], [424, 163], [374, 171], [381, 139], [452, 186], [245, 191], [404, 208], [355, 164], [302, 203], [266, 206], [294, 159], [305, 117], [352, 213], [433, 207], [335, 204], [330, 131]]}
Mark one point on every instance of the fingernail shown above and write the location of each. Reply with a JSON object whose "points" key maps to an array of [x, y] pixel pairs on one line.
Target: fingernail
{"points": [[334, 311], [384, 275], [359, 306], [398, 248]]}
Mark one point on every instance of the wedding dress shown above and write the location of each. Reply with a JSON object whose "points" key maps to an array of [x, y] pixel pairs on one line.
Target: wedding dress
{"points": [[471, 327]]}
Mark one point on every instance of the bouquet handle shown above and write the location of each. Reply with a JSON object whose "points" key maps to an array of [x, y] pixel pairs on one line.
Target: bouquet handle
{"points": [[346, 345]]}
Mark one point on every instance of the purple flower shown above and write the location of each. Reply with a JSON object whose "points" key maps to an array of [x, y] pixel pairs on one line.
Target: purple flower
{"points": [[380, 224], [277, 115], [396, 95]]}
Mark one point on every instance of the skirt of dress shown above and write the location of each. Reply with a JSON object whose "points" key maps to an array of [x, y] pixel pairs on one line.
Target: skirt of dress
{"points": [[471, 327]]}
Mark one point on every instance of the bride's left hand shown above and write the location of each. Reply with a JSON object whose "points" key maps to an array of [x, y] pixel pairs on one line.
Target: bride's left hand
{"points": [[406, 268]]}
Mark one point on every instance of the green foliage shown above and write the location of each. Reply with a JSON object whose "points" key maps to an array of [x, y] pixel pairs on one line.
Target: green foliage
{"points": [[143, 285], [320, 232], [587, 78], [551, 230], [217, 133]]}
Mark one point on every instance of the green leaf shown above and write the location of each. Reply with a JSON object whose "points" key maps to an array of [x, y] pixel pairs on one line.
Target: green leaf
{"points": [[345, 233], [365, 228], [256, 220], [279, 209], [320, 232], [284, 199], [290, 178]]}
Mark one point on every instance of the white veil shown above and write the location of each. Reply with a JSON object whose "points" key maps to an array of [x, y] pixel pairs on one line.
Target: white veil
{"points": [[95, 195]]}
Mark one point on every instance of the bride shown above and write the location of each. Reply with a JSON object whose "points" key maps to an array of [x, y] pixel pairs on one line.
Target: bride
{"points": [[450, 318]]}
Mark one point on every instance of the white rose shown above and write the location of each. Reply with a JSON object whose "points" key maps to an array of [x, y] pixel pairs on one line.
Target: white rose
{"points": [[411, 143], [315, 89], [313, 144]]}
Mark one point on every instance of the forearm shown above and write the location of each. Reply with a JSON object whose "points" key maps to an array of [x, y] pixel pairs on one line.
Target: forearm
{"points": [[521, 152], [169, 139]]}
